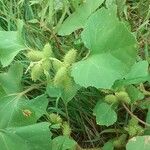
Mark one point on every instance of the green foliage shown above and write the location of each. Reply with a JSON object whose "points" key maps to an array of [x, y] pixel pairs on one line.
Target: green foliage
{"points": [[11, 80], [24, 137], [74, 71], [109, 145], [63, 143], [134, 93], [105, 115], [139, 142], [15, 109], [10, 45], [78, 19], [109, 55]]}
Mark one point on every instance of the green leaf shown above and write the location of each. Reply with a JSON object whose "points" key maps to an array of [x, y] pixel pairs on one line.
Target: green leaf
{"points": [[139, 143], [65, 94], [137, 74], [134, 93], [63, 143], [10, 45], [68, 94], [19, 111], [53, 91], [11, 80], [110, 50], [108, 146], [33, 137], [105, 115], [15, 109], [138, 70], [109, 3], [2, 92], [38, 105], [78, 19]]}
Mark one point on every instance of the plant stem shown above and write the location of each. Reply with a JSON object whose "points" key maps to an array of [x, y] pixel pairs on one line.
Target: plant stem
{"points": [[141, 121]]}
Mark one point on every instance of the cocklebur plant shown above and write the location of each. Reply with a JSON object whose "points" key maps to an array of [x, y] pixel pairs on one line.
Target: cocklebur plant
{"points": [[56, 72], [112, 63], [118, 97]]}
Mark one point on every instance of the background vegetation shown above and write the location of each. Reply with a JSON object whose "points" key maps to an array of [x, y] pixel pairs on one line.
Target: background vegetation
{"points": [[39, 22]]}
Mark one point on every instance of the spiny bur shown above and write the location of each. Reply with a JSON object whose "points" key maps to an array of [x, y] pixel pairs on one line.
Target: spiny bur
{"points": [[35, 55], [55, 119], [47, 51], [57, 64], [123, 97], [133, 128], [70, 57], [46, 64], [61, 76], [111, 99], [36, 71], [66, 129]]}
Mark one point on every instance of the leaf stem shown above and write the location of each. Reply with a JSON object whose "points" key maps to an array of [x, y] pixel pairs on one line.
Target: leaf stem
{"points": [[141, 121]]}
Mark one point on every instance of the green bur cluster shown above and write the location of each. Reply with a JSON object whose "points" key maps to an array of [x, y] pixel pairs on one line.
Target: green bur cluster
{"points": [[62, 77], [55, 119], [40, 61], [43, 61], [133, 128], [119, 97]]}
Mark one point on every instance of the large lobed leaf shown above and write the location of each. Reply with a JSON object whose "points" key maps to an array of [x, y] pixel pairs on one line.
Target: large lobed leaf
{"points": [[10, 45], [113, 51], [63, 143], [11, 80], [78, 19], [15, 109], [20, 111], [138, 74], [139, 143], [33, 137]]}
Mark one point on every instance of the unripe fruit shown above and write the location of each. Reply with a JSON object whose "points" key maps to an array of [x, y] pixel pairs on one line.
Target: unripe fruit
{"points": [[133, 121], [47, 51], [132, 131], [66, 129], [123, 97], [68, 83], [140, 130], [57, 64], [46, 64], [60, 76], [70, 57], [111, 99], [36, 71], [134, 128], [35, 55], [54, 118]]}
